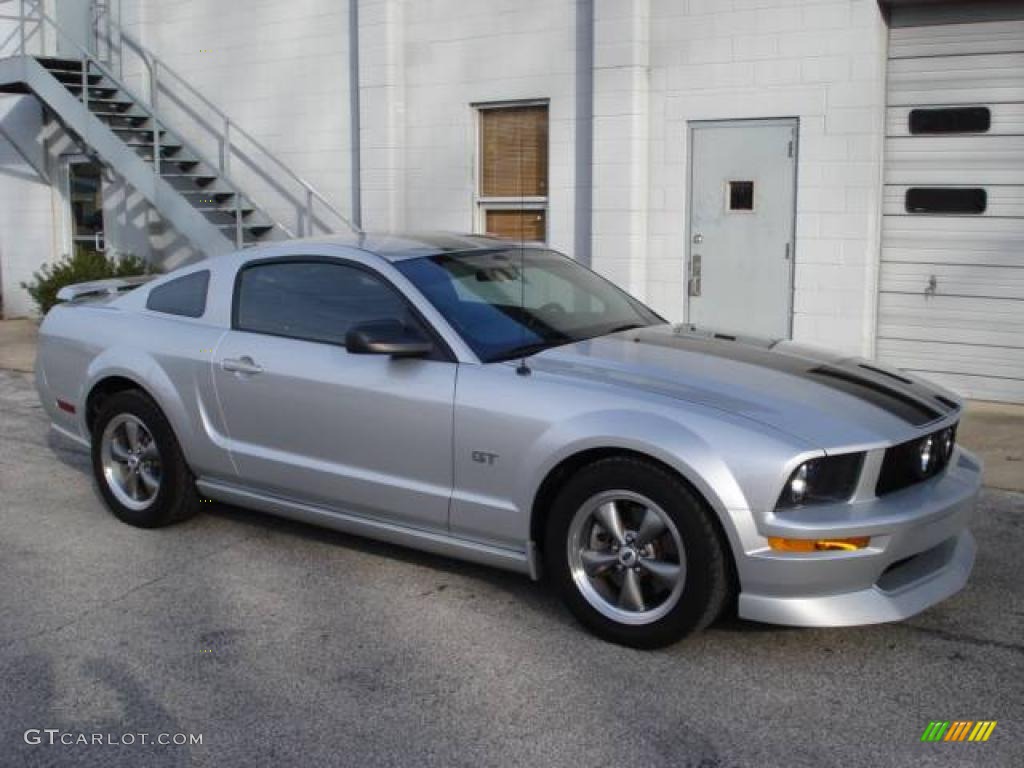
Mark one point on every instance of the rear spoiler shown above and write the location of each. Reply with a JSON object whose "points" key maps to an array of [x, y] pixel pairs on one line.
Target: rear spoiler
{"points": [[111, 287]]}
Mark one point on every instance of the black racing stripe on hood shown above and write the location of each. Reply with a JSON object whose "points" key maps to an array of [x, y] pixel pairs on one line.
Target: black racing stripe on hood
{"points": [[908, 408], [902, 402]]}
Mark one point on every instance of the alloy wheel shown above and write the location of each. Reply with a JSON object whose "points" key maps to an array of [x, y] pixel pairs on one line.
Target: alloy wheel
{"points": [[131, 461], [626, 557]]}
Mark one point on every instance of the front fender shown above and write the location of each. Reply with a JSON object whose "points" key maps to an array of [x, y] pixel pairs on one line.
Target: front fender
{"points": [[735, 464], [662, 439]]}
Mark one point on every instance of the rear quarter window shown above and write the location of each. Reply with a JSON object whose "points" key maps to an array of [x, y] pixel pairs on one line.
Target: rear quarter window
{"points": [[185, 296]]}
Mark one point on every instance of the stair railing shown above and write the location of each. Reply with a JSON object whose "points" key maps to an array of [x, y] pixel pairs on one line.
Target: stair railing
{"points": [[313, 212], [89, 64]]}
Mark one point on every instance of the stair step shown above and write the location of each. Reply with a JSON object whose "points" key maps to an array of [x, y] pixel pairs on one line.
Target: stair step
{"points": [[248, 230], [104, 101], [206, 195], [74, 77], [228, 209], [249, 227], [137, 129], [198, 178], [169, 159], [149, 145], [92, 88], [55, 61], [118, 115]]}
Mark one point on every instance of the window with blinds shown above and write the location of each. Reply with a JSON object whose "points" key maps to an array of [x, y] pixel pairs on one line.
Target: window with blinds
{"points": [[513, 182]]}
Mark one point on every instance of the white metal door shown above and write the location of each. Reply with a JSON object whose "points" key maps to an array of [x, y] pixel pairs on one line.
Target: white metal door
{"points": [[75, 18], [742, 205], [951, 301]]}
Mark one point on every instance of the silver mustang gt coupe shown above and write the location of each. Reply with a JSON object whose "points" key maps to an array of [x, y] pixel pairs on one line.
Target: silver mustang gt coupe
{"points": [[504, 404]]}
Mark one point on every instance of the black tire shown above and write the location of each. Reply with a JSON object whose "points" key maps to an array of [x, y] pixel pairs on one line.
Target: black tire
{"points": [[707, 585], [177, 498]]}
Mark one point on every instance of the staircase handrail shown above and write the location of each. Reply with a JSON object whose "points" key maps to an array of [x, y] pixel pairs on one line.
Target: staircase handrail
{"points": [[156, 66], [151, 110], [86, 56]]}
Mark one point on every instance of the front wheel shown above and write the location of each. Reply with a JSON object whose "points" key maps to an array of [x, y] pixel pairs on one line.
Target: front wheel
{"points": [[138, 465], [635, 553]]}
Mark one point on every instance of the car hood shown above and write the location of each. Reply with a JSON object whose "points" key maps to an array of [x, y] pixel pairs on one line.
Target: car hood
{"points": [[824, 399]]}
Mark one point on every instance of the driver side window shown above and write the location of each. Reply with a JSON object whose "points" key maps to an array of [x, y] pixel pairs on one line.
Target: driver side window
{"points": [[314, 300]]}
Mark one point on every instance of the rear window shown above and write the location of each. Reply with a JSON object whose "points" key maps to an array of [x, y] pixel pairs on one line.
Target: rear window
{"points": [[185, 296]]}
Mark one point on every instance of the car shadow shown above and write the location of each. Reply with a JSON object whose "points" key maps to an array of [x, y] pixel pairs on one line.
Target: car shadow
{"points": [[69, 453], [76, 457], [514, 585]]}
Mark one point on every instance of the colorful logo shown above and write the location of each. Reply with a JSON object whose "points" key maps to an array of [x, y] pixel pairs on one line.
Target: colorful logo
{"points": [[958, 730]]}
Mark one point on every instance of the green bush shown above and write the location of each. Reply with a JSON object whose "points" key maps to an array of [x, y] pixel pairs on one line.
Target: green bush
{"points": [[84, 266]]}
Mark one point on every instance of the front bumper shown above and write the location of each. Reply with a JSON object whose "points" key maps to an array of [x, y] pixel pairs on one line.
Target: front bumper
{"points": [[920, 553]]}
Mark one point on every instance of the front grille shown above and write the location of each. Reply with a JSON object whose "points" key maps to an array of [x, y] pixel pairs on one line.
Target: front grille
{"points": [[903, 465]]}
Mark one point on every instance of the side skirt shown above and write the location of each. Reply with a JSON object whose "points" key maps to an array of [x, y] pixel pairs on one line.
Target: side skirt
{"points": [[428, 541]]}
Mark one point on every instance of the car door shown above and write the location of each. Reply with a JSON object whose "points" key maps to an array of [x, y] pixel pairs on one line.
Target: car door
{"points": [[307, 420]]}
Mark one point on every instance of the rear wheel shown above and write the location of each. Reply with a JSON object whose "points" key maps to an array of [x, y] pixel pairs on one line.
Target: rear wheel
{"points": [[635, 553], [138, 464]]}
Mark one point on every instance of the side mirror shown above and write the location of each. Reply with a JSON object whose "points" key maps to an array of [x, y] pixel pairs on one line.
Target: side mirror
{"points": [[386, 337]]}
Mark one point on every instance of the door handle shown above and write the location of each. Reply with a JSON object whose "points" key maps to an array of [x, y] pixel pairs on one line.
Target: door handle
{"points": [[694, 282], [241, 365]]}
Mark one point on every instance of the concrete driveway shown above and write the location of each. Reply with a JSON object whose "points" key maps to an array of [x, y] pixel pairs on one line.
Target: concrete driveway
{"points": [[283, 644]]}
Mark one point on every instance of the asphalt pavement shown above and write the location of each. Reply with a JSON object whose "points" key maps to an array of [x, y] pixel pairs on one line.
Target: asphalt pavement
{"points": [[282, 644]]}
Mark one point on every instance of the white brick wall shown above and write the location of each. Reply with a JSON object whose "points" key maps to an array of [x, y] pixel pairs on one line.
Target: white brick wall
{"points": [[279, 69], [621, 143], [27, 225], [818, 60]]}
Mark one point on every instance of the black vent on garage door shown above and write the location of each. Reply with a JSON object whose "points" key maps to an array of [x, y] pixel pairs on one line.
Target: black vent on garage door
{"points": [[951, 120], [946, 200]]}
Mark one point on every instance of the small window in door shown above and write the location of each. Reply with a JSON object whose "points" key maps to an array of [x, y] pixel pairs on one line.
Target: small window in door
{"points": [[741, 195], [315, 301]]}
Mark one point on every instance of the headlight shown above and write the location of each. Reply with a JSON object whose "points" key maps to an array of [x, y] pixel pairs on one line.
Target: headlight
{"points": [[947, 439], [926, 454], [819, 481], [934, 451]]}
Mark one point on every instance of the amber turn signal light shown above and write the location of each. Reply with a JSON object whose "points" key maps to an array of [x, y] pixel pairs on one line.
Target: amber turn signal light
{"points": [[817, 545]]}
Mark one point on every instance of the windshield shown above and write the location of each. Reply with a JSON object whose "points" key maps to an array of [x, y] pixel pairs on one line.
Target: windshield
{"points": [[518, 301]]}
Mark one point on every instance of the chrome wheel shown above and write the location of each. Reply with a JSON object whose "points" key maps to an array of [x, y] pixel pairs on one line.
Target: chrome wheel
{"points": [[131, 461], [626, 557]]}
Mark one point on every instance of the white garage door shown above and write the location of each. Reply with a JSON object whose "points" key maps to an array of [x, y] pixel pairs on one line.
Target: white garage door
{"points": [[951, 303]]}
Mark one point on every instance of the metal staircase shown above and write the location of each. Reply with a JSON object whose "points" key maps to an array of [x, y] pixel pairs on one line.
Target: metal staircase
{"points": [[202, 198]]}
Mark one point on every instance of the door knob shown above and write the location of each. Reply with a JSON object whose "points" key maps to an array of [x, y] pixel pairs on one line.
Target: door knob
{"points": [[694, 282], [698, 238]]}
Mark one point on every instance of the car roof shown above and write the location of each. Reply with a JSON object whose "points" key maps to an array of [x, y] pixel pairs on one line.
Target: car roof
{"points": [[402, 246]]}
